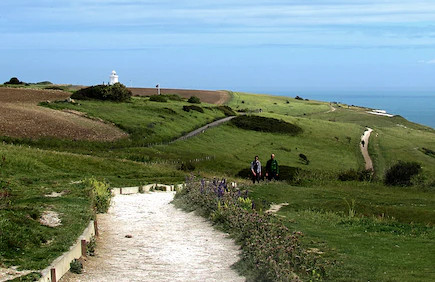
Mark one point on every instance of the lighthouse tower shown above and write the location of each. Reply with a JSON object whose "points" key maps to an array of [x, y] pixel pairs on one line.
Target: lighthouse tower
{"points": [[113, 78]]}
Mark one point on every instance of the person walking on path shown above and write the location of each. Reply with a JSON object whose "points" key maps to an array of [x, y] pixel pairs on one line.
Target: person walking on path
{"points": [[256, 170], [272, 168]]}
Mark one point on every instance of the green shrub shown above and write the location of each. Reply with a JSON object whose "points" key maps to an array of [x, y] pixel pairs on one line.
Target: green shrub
{"points": [[55, 87], [355, 175], [227, 110], [158, 98], [265, 124], [116, 92], [76, 266], [14, 81], [193, 108], [194, 100], [33, 276], [304, 159], [188, 166], [173, 97], [100, 193], [269, 249], [90, 246], [401, 173]]}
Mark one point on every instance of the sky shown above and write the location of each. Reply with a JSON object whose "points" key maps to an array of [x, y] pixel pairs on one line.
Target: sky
{"points": [[254, 45]]}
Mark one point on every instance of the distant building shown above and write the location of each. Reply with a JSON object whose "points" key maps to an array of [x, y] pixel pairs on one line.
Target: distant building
{"points": [[113, 78]]}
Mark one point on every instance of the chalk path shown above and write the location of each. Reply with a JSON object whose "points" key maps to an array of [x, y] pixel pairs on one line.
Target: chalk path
{"points": [[364, 150], [166, 244]]}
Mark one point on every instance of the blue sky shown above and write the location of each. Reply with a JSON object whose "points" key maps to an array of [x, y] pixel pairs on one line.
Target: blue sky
{"points": [[254, 45]]}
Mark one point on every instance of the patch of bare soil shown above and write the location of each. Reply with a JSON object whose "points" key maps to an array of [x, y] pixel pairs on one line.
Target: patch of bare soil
{"points": [[21, 117], [206, 96]]}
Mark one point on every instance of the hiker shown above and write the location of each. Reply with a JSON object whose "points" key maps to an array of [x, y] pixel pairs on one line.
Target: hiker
{"points": [[256, 170], [362, 143], [272, 169]]}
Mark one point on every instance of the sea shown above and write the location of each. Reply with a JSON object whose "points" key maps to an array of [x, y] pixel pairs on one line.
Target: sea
{"points": [[417, 106]]}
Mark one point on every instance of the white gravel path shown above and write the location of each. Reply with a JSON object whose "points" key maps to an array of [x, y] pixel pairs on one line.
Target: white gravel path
{"points": [[364, 150], [167, 244]]}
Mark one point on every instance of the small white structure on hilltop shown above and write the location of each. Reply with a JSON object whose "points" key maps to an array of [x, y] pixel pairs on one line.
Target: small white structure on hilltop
{"points": [[113, 78]]}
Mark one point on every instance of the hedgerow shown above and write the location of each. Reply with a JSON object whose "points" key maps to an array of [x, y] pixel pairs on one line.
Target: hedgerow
{"points": [[273, 252], [116, 92], [265, 124]]}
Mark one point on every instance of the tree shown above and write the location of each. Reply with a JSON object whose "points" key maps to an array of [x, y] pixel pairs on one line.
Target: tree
{"points": [[13, 80]]}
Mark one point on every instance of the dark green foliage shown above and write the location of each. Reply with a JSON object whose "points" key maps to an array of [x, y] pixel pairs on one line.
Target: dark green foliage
{"points": [[354, 175], [270, 250], [265, 124], [299, 98], [173, 97], [401, 173], [76, 266], [304, 159], [429, 152], [91, 245], [14, 81], [227, 111], [194, 100], [193, 108], [55, 87], [286, 173], [44, 83], [188, 166], [116, 92], [158, 98]]}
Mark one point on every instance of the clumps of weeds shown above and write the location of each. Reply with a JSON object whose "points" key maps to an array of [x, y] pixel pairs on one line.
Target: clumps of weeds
{"points": [[90, 246], [100, 194], [271, 250], [76, 266]]}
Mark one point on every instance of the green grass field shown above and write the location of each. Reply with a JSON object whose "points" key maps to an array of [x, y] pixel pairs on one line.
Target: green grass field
{"points": [[384, 236]]}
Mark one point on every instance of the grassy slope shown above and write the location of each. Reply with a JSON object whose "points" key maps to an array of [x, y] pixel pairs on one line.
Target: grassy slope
{"points": [[330, 141], [35, 173], [378, 243]]}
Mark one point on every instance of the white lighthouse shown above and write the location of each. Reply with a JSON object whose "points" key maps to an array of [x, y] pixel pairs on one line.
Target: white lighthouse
{"points": [[113, 78]]}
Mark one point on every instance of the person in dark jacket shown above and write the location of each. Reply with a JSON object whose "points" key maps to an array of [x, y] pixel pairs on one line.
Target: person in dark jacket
{"points": [[272, 168], [256, 170]]}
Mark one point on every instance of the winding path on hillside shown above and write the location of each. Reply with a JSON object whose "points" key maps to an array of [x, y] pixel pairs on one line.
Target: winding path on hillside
{"points": [[364, 148], [204, 128], [166, 244]]}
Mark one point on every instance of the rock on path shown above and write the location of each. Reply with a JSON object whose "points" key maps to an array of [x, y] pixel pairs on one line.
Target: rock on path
{"points": [[166, 244]]}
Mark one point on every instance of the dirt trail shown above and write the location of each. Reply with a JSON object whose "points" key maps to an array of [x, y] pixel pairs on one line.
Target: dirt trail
{"points": [[204, 128], [364, 150], [166, 244]]}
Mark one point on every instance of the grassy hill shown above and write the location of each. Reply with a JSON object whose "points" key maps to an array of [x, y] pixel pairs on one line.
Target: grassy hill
{"points": [[356, 225]]}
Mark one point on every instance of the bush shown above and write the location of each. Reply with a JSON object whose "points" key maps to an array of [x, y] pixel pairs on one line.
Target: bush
{"points": [[270, 250], [354, 175], [265, 124], [100, 194], [401, 173], [304, 159], [187, 166], [193, 108], [174, 97], [76, 266], [194, 100], [116, 92], [227, 111], [158, 98], [14, 81]]}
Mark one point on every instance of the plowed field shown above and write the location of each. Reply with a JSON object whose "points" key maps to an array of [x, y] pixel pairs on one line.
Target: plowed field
{"points": [[20, 116], [207, 96]]}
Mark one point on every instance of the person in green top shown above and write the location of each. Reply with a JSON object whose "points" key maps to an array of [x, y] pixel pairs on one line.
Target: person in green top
{"points": [[272, 168]]}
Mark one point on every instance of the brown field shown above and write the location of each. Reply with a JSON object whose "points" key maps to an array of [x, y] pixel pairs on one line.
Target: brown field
{"points": [[20, 116], [206, 96]]}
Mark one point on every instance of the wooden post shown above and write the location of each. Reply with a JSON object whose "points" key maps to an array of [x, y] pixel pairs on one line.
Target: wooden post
{"points": [[53, 274], [120, 191], [83, 247], [96, 227]]}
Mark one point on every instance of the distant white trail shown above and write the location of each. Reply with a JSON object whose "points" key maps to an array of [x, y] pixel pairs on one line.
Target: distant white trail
{"points": [[364, 148], [166, 244]]}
